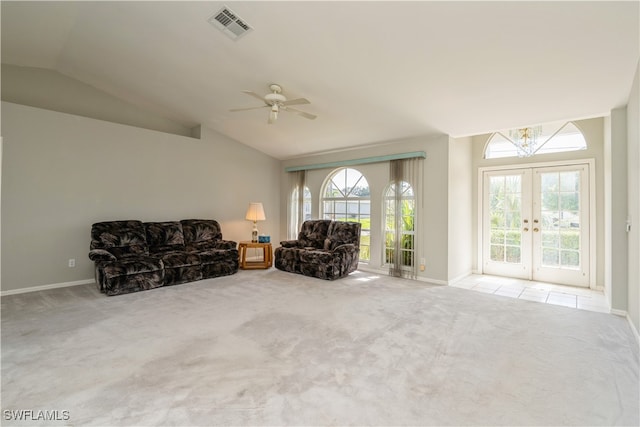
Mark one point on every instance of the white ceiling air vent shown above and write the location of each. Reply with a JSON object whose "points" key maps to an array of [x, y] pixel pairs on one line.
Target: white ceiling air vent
{"points": [[229, 23]]}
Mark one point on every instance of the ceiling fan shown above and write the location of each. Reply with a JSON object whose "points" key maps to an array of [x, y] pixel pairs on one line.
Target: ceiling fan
{"points": [[277, 102]]}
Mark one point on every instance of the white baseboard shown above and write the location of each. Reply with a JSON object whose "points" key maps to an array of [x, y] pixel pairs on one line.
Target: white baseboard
{"points": [[633, 328], [385, 272], [432, 281], [460, 277], [373, 270], [621, 313], [45, 287]]}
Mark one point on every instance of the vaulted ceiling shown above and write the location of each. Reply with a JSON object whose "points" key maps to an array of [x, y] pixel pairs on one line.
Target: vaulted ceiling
{"points": [[373, 71]]}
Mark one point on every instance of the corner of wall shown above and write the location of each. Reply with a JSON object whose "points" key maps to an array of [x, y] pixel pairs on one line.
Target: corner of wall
{"points": [[460, 208], [196, 132], [633, 201]]}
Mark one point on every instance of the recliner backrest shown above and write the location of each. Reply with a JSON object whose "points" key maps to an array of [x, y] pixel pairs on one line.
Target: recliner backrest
{"points": [[198, 230], [164, 236], [313, 233], [120, 238], [341, 232]]}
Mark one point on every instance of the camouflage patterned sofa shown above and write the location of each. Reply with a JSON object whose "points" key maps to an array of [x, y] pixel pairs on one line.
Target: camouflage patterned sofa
{"points": [[132, 256], [325, 249]]}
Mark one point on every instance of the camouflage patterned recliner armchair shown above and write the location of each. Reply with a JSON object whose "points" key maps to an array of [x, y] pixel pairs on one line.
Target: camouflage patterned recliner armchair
{"points": [[325, 249], [132, 256]]}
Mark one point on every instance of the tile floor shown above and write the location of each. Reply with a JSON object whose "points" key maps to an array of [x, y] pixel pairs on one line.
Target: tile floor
{"points": [[568, 296]]}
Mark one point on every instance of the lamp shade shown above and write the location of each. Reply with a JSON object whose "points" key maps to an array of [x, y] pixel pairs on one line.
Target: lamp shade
{"points": [[255, 212]]}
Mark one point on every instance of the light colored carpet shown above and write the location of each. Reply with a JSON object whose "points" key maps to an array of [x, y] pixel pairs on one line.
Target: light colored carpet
{"points": [[274, 348]]}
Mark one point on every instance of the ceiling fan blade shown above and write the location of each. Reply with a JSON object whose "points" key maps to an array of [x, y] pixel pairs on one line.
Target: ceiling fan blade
{"points": [[298, 101], [302, 113], [255, 95], [248, 108]]}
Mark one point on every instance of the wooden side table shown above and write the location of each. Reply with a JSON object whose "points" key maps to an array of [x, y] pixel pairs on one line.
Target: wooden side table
{"points": [[267, 259]]}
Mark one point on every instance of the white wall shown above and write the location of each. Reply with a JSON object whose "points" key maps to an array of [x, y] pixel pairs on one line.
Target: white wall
{"points": [[616, 208], [49, 89], [63, 172], [633, 203], [435, 219], [461, 211]]}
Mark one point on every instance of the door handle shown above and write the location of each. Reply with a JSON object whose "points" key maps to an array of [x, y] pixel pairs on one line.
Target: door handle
{"points": [[526, 229], [536, 229]]}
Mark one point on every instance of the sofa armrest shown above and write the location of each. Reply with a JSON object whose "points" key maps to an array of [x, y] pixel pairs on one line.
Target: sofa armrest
{"points": [[345, 247], [289, 244], [97, 255]]}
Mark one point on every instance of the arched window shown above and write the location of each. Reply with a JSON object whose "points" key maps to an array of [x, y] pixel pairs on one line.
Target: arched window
{"points": [[346, 197], [530, 141], [399, 223], [306, 210]]}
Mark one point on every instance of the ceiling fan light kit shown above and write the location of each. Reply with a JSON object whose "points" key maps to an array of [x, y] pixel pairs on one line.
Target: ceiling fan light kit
{"points": [[276, 102], [273, 116]]}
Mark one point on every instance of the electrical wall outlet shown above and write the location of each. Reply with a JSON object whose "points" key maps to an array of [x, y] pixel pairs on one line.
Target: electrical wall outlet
{"points": [[422, 264], [72, 262]]}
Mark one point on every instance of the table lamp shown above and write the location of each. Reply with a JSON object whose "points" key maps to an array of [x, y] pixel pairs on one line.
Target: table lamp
{"points": [[255, 213]]}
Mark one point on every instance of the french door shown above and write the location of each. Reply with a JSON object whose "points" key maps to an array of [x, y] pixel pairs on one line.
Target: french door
{"points": [[536, 224]]}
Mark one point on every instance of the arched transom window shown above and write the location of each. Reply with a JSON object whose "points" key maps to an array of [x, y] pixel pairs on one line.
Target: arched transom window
{"points": [[529, 141], [346, 197]]}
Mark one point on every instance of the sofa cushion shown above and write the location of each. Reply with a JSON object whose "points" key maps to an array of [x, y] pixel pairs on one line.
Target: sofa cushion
{"points": [[131, 275], [316, 256], [198, 230], [340, 233], [208, 245], [217, 255], [132, 265], [180, 259], [331, 243], [120, 238], [313, 233], [164, 236]]}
